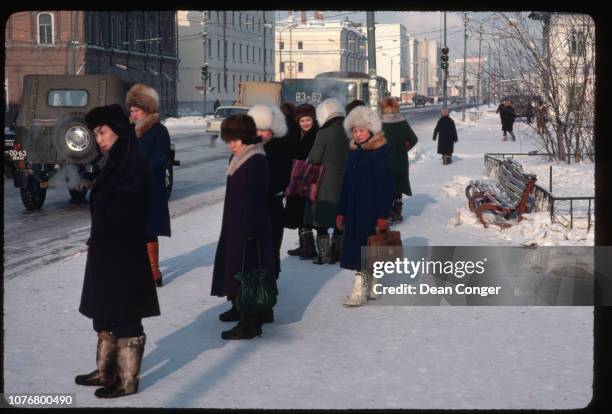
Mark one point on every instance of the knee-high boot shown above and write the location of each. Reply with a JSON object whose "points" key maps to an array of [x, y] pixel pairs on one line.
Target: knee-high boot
{"points": [[153, 252], [323, 245], [336, 248], [129, 361], [106, 354], [359, 291]]}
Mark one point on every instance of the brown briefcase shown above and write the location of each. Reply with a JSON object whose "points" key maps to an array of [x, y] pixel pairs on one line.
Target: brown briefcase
{"points": [[386, 247]]}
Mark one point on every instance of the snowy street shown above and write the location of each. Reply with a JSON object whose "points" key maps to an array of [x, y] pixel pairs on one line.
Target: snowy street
{"points": [[317, 354]]}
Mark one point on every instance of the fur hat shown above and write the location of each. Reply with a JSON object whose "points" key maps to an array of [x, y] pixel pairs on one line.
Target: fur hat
{"points": [[144, 97], [269, 117], [389, 105], [239, 126], [363, 117], [328, 109], [111, 116], [353, 104], [305, 110]]}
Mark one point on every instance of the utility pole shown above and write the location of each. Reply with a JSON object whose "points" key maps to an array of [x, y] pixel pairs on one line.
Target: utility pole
{"points": [[264, 46], [205, 74], [489, 76], [372, 60], [478, 76], [465, 21], [445, 92]]}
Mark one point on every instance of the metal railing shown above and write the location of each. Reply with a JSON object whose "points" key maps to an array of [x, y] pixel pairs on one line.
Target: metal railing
{"points": [[544, 199]]}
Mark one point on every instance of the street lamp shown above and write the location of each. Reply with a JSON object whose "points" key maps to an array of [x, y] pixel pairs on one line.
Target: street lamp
{"points": [[280, 50]]}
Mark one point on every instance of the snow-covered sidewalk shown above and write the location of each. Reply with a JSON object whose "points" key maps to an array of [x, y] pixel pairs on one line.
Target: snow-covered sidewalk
{"points": [[316, 354]]}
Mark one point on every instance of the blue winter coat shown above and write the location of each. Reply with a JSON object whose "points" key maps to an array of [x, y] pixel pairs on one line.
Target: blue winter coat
{"points": [[366, 196], [155, 142]]}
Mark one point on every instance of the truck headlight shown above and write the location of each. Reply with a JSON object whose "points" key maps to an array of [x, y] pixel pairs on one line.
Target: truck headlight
{"points": [[77, 138]]}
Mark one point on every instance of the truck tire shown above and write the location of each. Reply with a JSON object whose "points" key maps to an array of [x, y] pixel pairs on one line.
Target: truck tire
{"points": [[33, 197], [73, 140], [168, 179]]}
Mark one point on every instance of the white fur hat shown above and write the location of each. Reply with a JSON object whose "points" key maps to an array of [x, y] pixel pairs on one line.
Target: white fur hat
{"points": [[329, 108], [269, 117], [363, 117]]}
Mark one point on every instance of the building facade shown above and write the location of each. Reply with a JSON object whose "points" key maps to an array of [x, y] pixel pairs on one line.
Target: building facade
{"points": [[136, 46], [309, 46], [236, 46], [392, 57]]}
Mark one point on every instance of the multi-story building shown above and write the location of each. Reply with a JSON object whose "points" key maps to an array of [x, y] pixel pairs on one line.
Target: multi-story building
{"points": [[136, 46], [236, 46], [472, 69], [392, 57], [309, 46]]}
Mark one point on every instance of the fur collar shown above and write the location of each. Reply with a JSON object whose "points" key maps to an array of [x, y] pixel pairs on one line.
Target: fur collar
{"points": [[236, 162], [146, 123], [392, 118], [372, 144]]}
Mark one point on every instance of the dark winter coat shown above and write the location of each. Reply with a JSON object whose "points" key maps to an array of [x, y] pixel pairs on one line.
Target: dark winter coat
{"points": [[448, 135], [118, 284], [507, 115], [299, 148], [246, 218], [330, 149], [398, 133], [155, 143], [366, 196]]}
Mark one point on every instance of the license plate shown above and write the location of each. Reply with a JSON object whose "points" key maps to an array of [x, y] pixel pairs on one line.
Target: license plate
{"points": [[18, 155]]}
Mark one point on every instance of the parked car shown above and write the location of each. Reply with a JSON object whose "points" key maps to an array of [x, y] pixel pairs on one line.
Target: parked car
{"points": [[51, 133], [213, 125], [457, 100], [419, 100]]}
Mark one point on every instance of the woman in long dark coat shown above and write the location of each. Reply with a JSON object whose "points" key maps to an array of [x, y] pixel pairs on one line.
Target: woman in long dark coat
{"points": [[507, 116], [246, 222], [330, 150], [143, 104], [367, 193], [448, 136], [117, 291], [401, 138], [299, 148]]}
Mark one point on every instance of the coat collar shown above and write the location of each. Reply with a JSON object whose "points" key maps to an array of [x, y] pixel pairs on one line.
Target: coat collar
{"points": [[236, 162], [118, 152], [392, 118], [334, 117], [372, 144], [146, 123]]}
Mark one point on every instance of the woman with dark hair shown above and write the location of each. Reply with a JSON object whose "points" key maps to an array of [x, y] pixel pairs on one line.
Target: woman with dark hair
{"points": [[246, 231], [143, 103], [117, 291], [448, 136], [299, 147]]}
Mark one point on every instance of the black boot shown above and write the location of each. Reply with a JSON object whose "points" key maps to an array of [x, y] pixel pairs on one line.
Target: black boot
{"points": [[336, 248], [266, 316], [449, 159], [308, 250], [106, 354], [298, 251], [231, 315], [129, 360], [323, 245], [248, 328]]}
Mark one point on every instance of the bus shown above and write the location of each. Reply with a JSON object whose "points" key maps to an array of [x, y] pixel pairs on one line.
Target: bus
{"points": [[357, 83]]}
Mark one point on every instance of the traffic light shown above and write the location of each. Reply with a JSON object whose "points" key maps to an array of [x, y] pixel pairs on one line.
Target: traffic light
{"points": [[205, 72], [444, 58]]}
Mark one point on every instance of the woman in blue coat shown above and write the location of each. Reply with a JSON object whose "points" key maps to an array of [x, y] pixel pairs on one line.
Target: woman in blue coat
{"points": [[153, 138], [366, 194]]}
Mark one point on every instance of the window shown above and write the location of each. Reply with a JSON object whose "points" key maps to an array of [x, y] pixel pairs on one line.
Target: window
{"points": [[45, 28], [259, 54], [233, 83], [247, 53], [240, 53], [233, 51], [282, 66], [219, 48], [209, 47], [576, 43], [281, 45], [300, 67], [225, 48], [218, 82], [225, 82], [300, 45], [67, 98]]}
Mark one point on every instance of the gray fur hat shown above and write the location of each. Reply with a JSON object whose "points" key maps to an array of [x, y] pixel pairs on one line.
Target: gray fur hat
{"points": [[269, 117], [328, 109], [363, 117]]}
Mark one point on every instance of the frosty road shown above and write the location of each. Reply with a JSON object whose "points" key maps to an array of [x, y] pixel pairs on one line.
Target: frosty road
{"points": [[316, 354]]}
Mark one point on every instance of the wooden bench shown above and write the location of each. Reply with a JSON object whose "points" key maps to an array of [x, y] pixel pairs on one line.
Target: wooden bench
{"points": [[507, 199]]}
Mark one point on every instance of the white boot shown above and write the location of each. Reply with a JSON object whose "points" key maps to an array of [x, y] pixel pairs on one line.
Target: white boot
{"points": [[359, 292], [371, 294]]}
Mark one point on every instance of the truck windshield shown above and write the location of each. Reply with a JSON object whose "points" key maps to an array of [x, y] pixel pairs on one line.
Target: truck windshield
{"points": [[69, 98]]}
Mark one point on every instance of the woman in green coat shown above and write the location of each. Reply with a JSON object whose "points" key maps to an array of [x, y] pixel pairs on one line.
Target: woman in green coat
{"points": [[401, 139]]}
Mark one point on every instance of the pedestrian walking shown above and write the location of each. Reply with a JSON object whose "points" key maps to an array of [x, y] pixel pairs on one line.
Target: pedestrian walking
{"points": [[216, 104], [117, 289], [272, 129], [530, 112], [507, 116], [330, 149], [401, 139], [245, 227], [365, 197], [143, 103], [541, 117], [448, 136], [299, 148]]}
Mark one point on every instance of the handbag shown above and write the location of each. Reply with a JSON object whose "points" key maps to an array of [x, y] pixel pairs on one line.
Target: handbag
{"points": [[253, 294], [305, 180], [383, 247]]}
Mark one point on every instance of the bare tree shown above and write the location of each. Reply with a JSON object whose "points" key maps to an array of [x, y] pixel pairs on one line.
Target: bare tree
{"points": [[553, 58]]}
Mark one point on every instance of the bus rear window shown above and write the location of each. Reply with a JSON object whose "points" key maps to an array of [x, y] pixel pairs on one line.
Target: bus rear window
{"points": [[69, 98]]}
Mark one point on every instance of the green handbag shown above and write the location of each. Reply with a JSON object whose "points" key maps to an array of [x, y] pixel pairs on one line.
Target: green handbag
{"points": [[253, 294]]}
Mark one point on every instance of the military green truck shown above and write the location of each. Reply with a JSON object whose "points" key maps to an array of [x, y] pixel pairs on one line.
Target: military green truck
{"points": [[50, 133]]}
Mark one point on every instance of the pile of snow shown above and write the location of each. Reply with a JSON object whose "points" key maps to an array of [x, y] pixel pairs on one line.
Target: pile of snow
{"points": [[457, 186]]}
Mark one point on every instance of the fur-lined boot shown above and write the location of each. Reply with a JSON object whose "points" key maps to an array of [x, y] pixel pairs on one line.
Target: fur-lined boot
{"points": [[359, 291], [129, 361], [106, 354], [323, 245]]}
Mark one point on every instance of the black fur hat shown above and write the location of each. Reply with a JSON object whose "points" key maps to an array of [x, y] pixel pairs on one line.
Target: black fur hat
{"points": [[239, 126], [305, 110], [112, 116]]}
